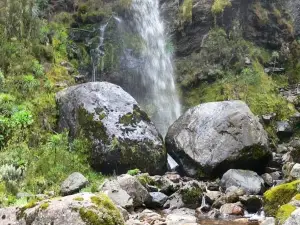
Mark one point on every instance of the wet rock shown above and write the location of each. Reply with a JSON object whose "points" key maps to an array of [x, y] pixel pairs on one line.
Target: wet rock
{"points": [[174, 177], [134, 188], [245, 179], [72, 209], [211, 138], [124, 213], [268, 118], [219, 202], [119, 196], [231, 197], [232, 209], [268, 179], [174, 201], [181, 217], [122, 135], [165, 185], [251, 203], [295, 172], [73, 184], [157, 200], [284, 130], [212, 196], [268, 221], [150, 217]]}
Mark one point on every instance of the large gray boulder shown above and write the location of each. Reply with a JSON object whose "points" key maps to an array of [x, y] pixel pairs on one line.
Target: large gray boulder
{"points": [[213, 137], [245, 179], [73, 184], [79, 209], [121, 134]]}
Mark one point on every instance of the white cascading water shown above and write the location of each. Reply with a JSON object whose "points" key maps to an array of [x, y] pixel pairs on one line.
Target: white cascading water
{"points": [[98, 53], [158, 68]]}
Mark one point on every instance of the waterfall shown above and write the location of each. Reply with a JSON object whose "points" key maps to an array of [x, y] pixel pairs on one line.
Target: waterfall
{"points": [[97, 54], [157, 71]]}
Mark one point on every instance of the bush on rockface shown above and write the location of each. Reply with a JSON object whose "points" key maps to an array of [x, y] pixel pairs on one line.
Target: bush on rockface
{"points": [[219, 73]]}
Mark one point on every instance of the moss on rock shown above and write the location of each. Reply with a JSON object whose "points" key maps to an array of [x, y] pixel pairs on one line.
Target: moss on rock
{"points": [[191, 195], [105, 212], [280, 195], [284, 213]]}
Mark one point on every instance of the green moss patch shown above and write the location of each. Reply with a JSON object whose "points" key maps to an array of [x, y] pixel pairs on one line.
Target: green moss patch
{"points": [[284, 213], [191, 195], [280, 195], [105, 214], [44, 205]]}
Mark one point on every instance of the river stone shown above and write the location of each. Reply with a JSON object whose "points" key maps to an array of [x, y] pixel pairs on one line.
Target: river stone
{"points": [[119, 196], [213, 137], [294, 219], [73, 184], [72, 209], [134, 188], [232, 209], [295, 172], [157, 200], [181, 216], [122, 135], [245, 179]]}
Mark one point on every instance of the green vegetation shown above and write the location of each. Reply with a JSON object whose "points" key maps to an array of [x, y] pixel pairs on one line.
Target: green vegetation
{"points": [[191, 195], [221, 66], [33, 51], [186, 11], [133, 172], [105, 213], [284, 213], [44, 205], [278, 196], [219, 6]]}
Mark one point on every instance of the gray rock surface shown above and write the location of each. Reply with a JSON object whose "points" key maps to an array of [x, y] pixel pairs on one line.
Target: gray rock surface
{"points": [[295, 172], [294, 219], [67, 210], [119, 196], [73, 184], [122, 135], [210, 138], [134, 188], [245, 179], [181, 217], [157, 200]]}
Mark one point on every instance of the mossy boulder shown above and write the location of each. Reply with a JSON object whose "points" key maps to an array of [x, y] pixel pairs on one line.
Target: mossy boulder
{"points": [[213, 137], [122, 135], [79, 209], [284, 212], [280, 195]]}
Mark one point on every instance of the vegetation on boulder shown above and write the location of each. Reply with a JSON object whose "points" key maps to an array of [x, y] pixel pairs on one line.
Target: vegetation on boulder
{"points": [[278, 196]]}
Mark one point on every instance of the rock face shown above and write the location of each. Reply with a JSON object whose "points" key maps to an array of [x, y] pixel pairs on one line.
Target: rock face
{"points": [[122, 135], [79, 209], [120, 197], [73, 184], [294, 219], [213, 137], [247, 180], [134, 188]]}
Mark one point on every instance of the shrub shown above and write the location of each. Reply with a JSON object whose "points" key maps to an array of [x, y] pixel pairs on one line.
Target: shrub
{"points": [[219, 6]]}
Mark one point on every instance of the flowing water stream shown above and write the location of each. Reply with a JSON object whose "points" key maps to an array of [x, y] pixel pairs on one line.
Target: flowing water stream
{"points": [[157, 71]]}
